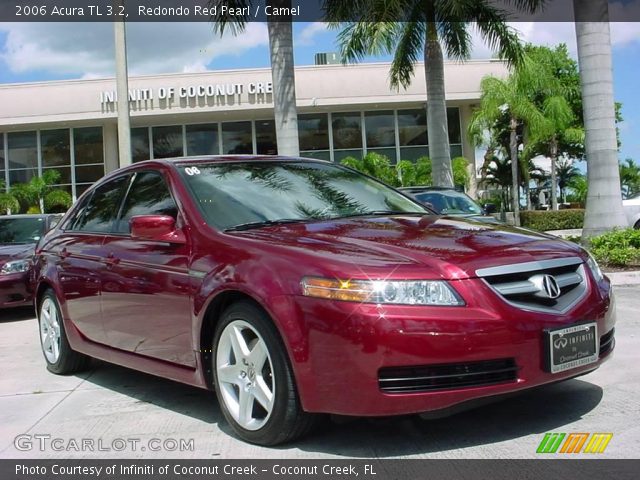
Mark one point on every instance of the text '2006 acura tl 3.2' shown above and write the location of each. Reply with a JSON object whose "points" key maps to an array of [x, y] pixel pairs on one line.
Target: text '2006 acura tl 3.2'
{"points": [[295, 288]]}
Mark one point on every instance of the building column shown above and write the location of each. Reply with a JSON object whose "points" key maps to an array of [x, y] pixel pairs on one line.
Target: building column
{"points": [[468, 150], [110, 140]]}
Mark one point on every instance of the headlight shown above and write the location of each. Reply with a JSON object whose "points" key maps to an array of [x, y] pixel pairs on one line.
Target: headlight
{"points": [[594, 267], [15, 266], [411, 292]]}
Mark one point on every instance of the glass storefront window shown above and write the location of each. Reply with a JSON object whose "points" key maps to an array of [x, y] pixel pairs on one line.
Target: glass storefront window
{"points": [[23, 150], [412, 127], [340, 155], [313, 132], [55, 148], [318, 154], [380, 129], [453, 124], [89, 173], [202, 139], [167, 141], [237, 138], [347, 130], [140, 144], [266, 141], [413, 153], [87, 144]]}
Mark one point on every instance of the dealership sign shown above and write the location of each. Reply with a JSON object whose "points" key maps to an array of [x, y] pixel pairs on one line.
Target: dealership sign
{"points": [[220, 93]]}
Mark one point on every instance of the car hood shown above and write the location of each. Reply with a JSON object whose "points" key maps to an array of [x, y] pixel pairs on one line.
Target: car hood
{"points": [[427, 246], [15, 252]]}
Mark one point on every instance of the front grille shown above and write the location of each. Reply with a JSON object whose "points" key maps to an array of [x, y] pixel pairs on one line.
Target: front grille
{"points": [[523, 284], [606, 342], [431, 378]]}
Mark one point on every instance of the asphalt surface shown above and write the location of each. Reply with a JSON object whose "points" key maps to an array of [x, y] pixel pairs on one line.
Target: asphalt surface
{"points": [[122, 413]]}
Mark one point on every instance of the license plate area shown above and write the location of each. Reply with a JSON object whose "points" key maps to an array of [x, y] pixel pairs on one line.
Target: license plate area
{"points": [[571, 347]]}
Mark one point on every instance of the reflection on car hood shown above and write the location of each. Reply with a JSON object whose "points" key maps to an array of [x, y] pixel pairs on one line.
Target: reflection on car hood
{"points": [[16, 252], [446, 246]]}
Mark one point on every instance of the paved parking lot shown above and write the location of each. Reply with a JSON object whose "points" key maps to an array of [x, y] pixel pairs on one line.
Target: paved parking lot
{"points": [[111, 408]]}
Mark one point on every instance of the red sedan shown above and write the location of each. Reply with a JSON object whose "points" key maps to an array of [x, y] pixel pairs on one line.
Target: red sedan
{"points": [[297, 287]]}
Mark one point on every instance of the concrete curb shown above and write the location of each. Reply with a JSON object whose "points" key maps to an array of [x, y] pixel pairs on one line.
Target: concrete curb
{"points": [[619, 279]]}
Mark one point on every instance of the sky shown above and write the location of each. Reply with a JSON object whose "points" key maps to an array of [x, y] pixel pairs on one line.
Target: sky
{"points": [[31, 52]]}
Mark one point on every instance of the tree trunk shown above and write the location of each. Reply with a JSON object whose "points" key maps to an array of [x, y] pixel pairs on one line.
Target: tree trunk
{"points": [[284, 83], [437, 129], [515, 190], [604, 200], [554, 174], [41, 204]]}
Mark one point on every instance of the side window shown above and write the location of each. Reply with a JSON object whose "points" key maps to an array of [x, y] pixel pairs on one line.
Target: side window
{"points": [[148, 195], [102, 209]]}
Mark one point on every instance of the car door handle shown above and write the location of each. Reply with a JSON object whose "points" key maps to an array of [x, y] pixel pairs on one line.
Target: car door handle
{"points": [[64, 253], [111, 260]]}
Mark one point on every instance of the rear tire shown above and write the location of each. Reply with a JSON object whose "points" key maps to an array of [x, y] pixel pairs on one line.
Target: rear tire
{"points": [[253, 378], [60, 358], [637, 225]]}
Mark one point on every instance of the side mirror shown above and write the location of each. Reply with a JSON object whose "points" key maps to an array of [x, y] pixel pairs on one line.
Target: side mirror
{"points": [[489, 208], [158, 228]]}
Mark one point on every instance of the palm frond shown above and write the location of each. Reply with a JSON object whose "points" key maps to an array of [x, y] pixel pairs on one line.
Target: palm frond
{"points": [[455, 39], [409, 48], [222, 20]]}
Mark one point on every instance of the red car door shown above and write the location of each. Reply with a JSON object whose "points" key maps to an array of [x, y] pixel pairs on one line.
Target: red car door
{"points": [[146, 298], [79, 256]]}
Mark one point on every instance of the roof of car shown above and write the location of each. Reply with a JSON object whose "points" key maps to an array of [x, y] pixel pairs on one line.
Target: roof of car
{"points": [[235, 158], [30, 215], [427, 189]]}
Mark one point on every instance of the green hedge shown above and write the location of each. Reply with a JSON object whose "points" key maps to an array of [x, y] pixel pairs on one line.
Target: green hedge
{"points": [[544, 220], [618, 248]]}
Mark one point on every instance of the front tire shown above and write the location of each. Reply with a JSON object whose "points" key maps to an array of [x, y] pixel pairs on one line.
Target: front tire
{"points": [[253, 379], [60, 358]]}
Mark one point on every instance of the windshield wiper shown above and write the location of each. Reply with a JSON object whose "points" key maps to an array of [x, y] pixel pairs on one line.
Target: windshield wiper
{"points": [[265, 223], [380, 212]]}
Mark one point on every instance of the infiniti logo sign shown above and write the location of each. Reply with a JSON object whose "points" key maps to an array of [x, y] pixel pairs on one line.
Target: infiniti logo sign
{"points": [[559, 343]]}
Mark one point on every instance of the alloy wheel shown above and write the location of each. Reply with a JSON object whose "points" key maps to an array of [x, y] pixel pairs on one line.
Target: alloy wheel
{"points": [[244, 373], [50, 330]]}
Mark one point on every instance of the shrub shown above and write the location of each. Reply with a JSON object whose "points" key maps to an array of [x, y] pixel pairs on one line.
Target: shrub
{"points": [[619, 248], [552, 219]]}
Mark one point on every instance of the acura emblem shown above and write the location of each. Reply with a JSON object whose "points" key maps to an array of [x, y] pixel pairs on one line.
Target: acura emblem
{"points": [[550, 286], [560, 342]]}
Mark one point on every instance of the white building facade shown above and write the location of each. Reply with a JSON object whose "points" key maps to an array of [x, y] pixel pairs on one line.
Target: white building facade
{"points": [[71, 126]]}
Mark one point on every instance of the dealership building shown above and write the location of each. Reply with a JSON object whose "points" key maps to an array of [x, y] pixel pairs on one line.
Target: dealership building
{"points": [[71, 125]]}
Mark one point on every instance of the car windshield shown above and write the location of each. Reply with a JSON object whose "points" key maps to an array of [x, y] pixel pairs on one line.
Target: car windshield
{"points": [[237, 195], [21, 230], [449, 202]]}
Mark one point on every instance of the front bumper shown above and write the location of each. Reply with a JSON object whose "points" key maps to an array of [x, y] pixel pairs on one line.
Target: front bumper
{"points": [[15, 290], [345, 346]]}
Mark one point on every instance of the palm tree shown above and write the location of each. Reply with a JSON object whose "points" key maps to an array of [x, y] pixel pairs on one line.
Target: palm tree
{"points": [[604, 199], [8, 202], [630, 178], [372, 27], [556, 121], [282, 66], [39, 194], [565, 174], [509, 97]]}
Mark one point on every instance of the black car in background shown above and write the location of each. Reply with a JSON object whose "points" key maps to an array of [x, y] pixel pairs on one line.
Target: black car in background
{"points": [[19, 235], [451, 202]]}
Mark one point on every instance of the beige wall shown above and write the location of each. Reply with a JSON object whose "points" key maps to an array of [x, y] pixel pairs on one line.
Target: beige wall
{"points": [[78, 102]]}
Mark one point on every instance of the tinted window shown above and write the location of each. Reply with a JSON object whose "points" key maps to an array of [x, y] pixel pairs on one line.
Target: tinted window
{"points": [[102, 209], [149, 195]]}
